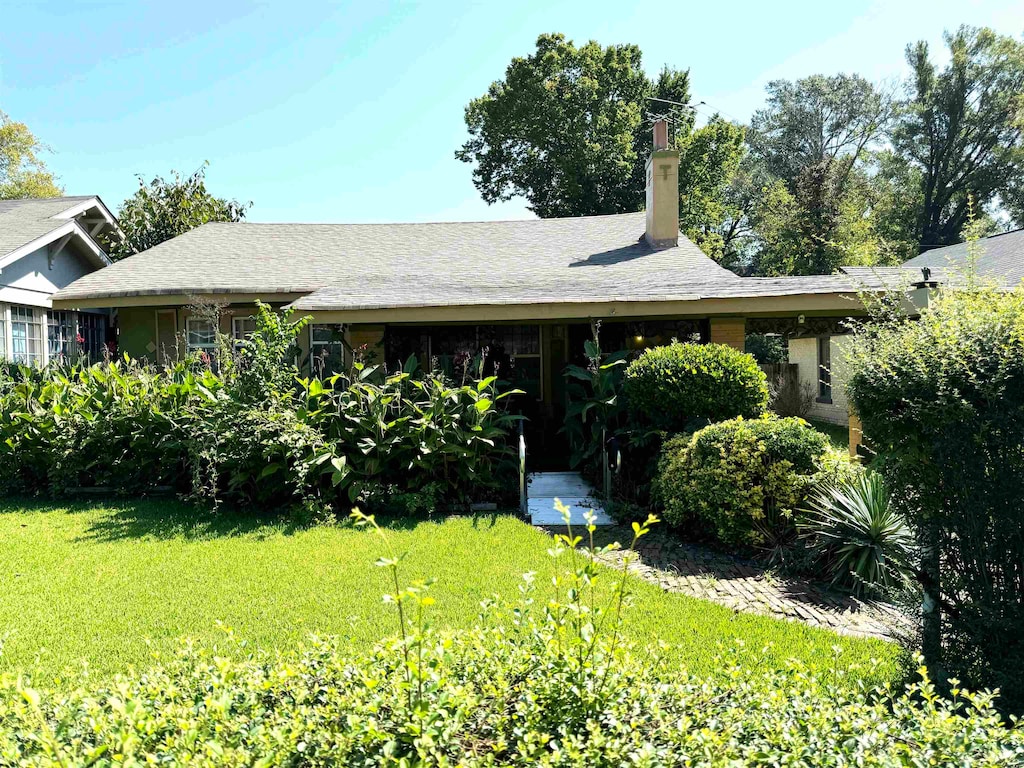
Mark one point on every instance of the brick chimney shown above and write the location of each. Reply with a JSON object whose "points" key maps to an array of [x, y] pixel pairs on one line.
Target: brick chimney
{"points": [[662, 191]]}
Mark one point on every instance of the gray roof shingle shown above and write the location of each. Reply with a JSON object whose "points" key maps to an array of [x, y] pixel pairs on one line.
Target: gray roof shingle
{"points": [[22, 221], [999, 257], [345, 266]]}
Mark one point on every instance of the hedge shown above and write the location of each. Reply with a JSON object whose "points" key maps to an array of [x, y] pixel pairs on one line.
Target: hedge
{"points": [[673, 387]]}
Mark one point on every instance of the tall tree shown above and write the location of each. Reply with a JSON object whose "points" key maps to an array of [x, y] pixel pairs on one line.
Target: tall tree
{"points": [[962, 130], [22, 172], [813, 135], [566, 129], [162, 209]]}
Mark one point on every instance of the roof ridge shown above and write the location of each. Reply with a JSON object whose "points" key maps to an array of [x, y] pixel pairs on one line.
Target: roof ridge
{"points": [[537, 220]]}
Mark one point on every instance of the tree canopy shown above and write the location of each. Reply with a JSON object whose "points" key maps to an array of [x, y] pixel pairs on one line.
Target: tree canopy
{"points": [[961, 132], [833, 170], [568, 129], [162, 209], [22, 172]]}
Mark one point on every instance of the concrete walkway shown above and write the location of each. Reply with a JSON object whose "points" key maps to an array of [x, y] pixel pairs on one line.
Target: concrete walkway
{"points": [[747, 587], [572, 490]]}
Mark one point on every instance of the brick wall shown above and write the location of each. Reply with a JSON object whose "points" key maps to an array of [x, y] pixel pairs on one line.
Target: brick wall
{"points": [[731, 331]]}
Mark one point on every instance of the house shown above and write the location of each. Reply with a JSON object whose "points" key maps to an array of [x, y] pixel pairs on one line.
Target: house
{"points": [[45, 245], [527, 291]]}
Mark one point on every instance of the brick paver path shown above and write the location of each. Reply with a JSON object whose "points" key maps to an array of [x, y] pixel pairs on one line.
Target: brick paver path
{"points": [[745, 586]]}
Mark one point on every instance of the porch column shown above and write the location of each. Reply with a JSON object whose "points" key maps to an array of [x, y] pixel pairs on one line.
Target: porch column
{"points": [[856, 435], [731, 331]]}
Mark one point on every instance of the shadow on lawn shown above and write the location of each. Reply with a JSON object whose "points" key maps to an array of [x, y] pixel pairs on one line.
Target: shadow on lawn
{"points": [[120, 519]]}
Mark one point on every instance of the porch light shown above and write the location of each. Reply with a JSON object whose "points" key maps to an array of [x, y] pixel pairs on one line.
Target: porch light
{"points": [[638, 339]]}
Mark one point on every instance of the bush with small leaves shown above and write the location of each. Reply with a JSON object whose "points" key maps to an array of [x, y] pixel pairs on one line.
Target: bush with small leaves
{"points": [[680, 386], [743, 481]]}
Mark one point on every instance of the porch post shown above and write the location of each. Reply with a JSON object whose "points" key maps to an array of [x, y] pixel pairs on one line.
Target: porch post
{"points": [[731, 331]]}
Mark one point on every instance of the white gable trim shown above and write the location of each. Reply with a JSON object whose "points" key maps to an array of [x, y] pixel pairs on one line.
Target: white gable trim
{"points": [[106, 217], [71, 228]]}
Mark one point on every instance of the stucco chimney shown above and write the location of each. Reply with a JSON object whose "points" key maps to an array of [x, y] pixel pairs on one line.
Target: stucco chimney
{"points": [[662, 191]]}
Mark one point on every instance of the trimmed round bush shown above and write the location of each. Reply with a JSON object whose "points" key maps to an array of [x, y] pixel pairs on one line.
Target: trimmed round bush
{"points": [[675, 386], [743, 480]]}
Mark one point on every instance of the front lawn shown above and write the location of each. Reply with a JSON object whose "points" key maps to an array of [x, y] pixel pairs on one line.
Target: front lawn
{"points": [[119, 584]]}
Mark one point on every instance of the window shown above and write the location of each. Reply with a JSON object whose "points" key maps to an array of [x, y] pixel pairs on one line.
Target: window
{"points": [[825, 369], [92, 335], [242, 327], [200, 335], [61, 335], [3, 332], [327, 349], [26, 335]]}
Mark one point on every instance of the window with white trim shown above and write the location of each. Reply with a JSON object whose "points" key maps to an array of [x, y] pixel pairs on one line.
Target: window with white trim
{"points": [[327, 349], [242, 327], [61, 335], [200, 335], [27, 335]]}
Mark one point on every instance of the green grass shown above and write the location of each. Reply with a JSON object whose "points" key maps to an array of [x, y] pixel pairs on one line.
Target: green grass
{"points": [[119, 584], [838, 434]]}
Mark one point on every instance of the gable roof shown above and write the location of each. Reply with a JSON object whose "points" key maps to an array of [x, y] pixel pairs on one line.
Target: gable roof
{"points": [[27, 225], [999, 257], [343, 266]]}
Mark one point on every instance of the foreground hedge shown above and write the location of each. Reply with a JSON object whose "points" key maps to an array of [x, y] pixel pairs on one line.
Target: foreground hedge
{"points": [[492, 697], [941, 400]]}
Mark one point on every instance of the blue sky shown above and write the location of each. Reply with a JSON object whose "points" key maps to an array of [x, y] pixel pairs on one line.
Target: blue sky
{"points": [[320, 112]]}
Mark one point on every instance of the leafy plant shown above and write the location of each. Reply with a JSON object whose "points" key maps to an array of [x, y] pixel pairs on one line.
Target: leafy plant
{"points": [[682, 386], [743, 481], [859, 534], [595, 409], [941, 399], [789, 397]]}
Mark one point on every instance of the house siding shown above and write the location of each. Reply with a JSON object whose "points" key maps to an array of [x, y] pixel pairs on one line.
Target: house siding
{"points": [[804, 352]]}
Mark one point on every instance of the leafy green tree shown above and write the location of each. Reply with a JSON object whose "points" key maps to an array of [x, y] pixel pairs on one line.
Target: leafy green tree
{"points": [[961, 131], [566, 129], [22, 173], [163, 209], [814, 136]]}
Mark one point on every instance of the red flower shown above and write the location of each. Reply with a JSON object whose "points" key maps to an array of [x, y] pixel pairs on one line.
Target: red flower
{"points": [[80, 339]]}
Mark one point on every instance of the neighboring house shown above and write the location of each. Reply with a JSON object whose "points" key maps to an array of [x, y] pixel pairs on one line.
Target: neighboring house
{"points": [[525, 290], [46, 245]]}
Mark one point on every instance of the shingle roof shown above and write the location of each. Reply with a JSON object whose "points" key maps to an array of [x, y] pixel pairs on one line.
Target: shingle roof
{"points": [[1000, 257], [358, 265], [22, 221]]}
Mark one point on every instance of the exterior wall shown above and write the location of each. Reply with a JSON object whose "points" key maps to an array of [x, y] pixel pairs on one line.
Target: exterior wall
{"points": [[369, 336], [31, 280], [804, 352], [731, 331], [27, 284], [136, 334]]}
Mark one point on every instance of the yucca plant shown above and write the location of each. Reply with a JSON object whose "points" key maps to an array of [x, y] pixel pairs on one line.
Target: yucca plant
{"points": [[861, 537]]}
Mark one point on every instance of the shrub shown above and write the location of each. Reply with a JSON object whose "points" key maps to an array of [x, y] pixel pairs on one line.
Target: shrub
{"points": [[860, 536], [743, 480], [766, 349], [251, 434], [790, 397], [680, 385], [942, 402], [536, 683]]}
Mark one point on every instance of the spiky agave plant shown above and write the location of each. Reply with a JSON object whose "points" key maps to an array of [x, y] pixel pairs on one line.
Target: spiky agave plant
{"points": [[858, 532]]}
